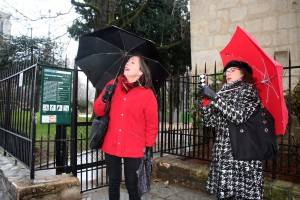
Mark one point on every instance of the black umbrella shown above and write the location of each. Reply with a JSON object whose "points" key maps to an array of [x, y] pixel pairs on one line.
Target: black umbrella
{"points": [[102, 55]]}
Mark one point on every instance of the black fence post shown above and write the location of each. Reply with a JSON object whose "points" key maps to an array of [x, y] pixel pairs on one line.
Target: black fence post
{"points": [[61, 155], [163, 117], [34, 97], [7, 116], [74, 123]]}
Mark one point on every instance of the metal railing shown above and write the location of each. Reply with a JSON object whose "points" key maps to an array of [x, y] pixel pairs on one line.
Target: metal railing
{"points": [[65, 147], [181, 132], [18, 106]]}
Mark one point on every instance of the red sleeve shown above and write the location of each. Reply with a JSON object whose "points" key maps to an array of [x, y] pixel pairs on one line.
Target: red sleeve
{"points": [[205, 101], [99, 105], [151, 116]]}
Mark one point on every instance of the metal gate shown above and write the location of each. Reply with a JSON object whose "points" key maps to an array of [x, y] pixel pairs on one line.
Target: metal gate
{"points": [[58, 148], [65, 148], [90, 165]]}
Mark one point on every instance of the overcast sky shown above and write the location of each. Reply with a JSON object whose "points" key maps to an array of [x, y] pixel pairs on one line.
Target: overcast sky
{"points": [[26, 14]]}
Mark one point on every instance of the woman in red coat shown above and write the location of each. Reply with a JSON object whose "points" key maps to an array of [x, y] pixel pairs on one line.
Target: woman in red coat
{"points": [[133, 125]]}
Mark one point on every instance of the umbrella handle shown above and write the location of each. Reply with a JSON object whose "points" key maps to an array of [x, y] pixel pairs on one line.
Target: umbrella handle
{"points": [[123, 63]]}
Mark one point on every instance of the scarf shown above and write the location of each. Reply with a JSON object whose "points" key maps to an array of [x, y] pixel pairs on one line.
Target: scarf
{"points": [[126, 87], [232, 85]]}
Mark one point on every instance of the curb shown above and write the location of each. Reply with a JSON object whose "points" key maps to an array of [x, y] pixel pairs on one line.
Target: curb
{"points": [[18, 184], [193, 174], [182, 172]]}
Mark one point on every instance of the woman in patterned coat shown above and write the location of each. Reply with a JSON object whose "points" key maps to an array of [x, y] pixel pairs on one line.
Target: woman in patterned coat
{"points": [[236, 102]]}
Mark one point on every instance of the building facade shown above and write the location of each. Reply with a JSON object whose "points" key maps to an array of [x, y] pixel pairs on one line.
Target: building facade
{"points": [[275, 24]]}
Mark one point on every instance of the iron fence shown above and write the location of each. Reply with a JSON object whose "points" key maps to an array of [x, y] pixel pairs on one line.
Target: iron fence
{"points": [[64, 148], [181, 132], [18, 107]]}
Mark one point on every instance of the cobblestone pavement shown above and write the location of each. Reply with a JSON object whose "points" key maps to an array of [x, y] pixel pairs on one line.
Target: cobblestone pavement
{"points": [[159, 191]]}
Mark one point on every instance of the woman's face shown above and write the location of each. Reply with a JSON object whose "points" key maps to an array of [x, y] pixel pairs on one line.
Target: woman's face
{"points": [[132, 69], [233, 74]]}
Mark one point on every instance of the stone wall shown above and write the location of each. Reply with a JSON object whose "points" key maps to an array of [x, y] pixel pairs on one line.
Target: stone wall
{"points": [[275, 24]]}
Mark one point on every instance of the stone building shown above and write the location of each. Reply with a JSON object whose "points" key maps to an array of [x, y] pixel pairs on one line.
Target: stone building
{"points": [[275, 24], [5, 24]]}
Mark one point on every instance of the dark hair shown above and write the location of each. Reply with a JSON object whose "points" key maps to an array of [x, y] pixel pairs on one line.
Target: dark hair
{"points": [[245, 69], [145, 79], [146, 72]]}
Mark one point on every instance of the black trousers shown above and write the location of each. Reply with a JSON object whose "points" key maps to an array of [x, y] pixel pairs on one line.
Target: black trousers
{"points": [[114, 169]]}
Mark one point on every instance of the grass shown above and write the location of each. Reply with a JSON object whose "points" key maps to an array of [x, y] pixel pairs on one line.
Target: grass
{"points": [[42, 130], [46, 141]]}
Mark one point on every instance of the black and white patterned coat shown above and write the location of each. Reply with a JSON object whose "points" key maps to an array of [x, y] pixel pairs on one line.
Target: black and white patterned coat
{"points": [[236, 102]]}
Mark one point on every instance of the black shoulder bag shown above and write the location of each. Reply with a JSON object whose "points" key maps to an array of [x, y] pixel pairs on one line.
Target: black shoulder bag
{"points": [[100, 125], [255, 139]]}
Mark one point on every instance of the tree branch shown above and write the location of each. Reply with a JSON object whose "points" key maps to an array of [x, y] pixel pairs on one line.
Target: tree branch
{"points": [[134, 14], [87, 5], [168, 46]]}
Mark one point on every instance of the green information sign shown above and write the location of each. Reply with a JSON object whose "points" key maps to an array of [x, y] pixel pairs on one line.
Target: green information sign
{"points": [[56, 96]]}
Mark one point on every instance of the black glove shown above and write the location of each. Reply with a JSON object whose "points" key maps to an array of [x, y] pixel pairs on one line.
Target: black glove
{"points": [[109, 89], [149, 152], [209, 93]]}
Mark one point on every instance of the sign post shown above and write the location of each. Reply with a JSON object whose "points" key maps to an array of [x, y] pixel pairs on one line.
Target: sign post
{"points": [[56, 96]]}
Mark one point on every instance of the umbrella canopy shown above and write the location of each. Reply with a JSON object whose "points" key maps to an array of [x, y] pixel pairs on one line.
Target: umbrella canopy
{"points": [[102, 55], [266, 70]]}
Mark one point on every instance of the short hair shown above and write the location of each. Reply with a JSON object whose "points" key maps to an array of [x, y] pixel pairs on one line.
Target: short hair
{"points": [[240, 65], [244, 67]]}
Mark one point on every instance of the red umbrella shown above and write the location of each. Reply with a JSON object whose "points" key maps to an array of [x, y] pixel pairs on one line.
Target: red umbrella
{"points": [[266, 70]]}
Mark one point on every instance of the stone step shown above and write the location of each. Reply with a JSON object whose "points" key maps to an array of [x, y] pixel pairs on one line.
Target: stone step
{"points": [[193, 174], [44, 186], [188, 173]]}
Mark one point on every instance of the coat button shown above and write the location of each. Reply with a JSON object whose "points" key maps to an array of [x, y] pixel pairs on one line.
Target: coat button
{"points": [[242, 130], [266, 130]]}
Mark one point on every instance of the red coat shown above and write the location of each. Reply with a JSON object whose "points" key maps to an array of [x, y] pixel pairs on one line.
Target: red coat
{"points": [[133, 121]]}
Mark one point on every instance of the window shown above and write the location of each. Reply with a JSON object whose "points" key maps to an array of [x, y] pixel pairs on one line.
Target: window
{"points": [[282, 57], [1, 27]]}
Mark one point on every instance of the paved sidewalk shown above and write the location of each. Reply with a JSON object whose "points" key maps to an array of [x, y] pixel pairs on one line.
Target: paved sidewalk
{"points": [[159, 191], [4, 195]]}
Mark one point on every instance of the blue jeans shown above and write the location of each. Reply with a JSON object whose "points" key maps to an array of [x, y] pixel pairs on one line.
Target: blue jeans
{"points": [[114, 170]]}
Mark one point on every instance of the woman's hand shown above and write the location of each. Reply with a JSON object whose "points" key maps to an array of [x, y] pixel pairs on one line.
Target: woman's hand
{"points": [[200, 87], [209, 93], [109, 89], [149, 152]]}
